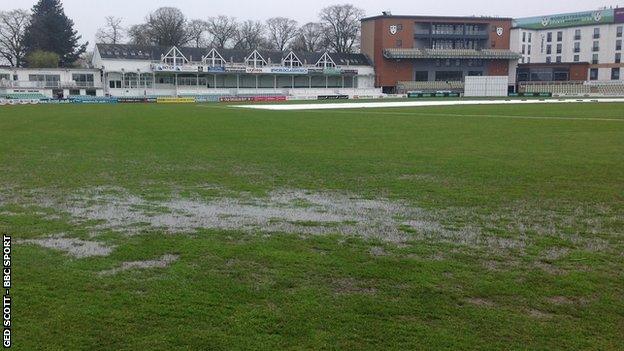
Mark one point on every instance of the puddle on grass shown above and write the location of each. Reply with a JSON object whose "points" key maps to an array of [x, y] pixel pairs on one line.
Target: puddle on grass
{"points": [[162, 262], [289, 211], [73, 247]]}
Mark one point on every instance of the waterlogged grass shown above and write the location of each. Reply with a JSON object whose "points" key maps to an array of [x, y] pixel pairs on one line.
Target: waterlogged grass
{"points": [[540, 198]]}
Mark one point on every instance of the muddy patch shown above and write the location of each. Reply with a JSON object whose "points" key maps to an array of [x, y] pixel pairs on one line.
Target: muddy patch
{"points": [[73, 247], [479, 301], [162, 262]]}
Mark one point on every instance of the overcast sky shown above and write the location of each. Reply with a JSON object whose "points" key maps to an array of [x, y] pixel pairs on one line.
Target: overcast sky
{"points": [[89, 15]]}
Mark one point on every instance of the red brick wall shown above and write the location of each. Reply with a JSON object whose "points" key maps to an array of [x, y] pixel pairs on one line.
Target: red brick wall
{"points": [[376, 36], [579, 72]]}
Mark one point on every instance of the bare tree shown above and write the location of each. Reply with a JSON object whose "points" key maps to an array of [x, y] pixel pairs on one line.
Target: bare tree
{"points": [[167, 26], [281, 32], [140, 34], [112, 32], [223, 30], [342, 23], [250, 36], [13, 26], [311, 37], [196, 30]]}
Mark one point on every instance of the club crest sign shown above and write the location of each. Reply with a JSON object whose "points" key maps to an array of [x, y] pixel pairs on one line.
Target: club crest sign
{"points": [[598, 16], [500, 31], [394, 29]]}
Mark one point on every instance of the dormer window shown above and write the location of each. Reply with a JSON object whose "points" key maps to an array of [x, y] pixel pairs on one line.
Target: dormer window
{"points": [[291, 60], [213, 59], [325, 61], [255, 60], [175, 58]]}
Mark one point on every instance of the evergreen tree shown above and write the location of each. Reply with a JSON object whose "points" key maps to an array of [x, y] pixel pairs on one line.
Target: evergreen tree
{"points": [[52, 31]]}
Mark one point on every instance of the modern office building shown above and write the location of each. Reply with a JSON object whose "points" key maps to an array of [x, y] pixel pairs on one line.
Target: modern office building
{"points": [[573, 46]]}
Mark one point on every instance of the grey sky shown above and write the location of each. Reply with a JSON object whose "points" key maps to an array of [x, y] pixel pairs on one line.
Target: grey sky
{"points": [[89, 15]]}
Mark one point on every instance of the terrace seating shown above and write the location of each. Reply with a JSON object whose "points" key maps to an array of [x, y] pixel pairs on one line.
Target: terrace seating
{"points": [[26, 96], [430, 86], [556, 88]]}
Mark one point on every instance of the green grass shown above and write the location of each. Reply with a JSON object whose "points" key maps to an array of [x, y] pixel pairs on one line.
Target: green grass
{"points": [[235, 290]]}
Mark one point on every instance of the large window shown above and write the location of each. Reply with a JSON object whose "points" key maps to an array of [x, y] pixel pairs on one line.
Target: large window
{"points": [[596, 46], [618, 45], [549, 37], [618, 57], [596, 33], [47, 80], [577, 34], [593, 74], [548, 49], [559, 36], [619, 31], [83, 79], [447, 76], [615, 73], [595, 59], [421, 76], [559, 48], [577, 47]]}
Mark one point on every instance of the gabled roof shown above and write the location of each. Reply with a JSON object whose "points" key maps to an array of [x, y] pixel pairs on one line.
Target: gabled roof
{"points": [[154, 53]]}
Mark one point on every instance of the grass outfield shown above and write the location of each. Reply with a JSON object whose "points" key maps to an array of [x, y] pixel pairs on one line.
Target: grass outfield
{"points": [[210, 227]]}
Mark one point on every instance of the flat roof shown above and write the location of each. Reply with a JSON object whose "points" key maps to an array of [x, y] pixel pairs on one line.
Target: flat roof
{"points": [[451, 18]]}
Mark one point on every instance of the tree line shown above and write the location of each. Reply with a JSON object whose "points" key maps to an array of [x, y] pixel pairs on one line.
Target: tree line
{"points": [[337, 29], [45, 36]]}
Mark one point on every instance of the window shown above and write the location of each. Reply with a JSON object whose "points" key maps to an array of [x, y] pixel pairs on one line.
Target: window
{"points": [[558, 59], [577, 47], [114, 84], [83, 80], [618, 57], [577, 58], [399, 27], [618, 45], [522, 60], [530, 37], [213, 58], [291, 60], [529, 50], [524, 37], [619, 32], [528, 60], [615, 73], [596, 33], [548, 49], [577, 34], [596, 46], [255, 60], [593, 74], [559, 48], [559, 36], [549, 37], [595, 59], [548, 59], [421, 76], [523, 49], [325, 61]]}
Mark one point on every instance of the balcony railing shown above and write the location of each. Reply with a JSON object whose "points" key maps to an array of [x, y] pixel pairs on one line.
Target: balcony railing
{"points": [[47, 85]]}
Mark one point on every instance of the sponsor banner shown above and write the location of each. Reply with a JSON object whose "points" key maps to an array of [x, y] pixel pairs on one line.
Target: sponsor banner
{"points": [[619, 15], [567, 20], [269, 98], [169, 68], [175, 100], [332, 71], [276, 70], [350, 71], [286, 70], [235, 99], [431, 95], [333, 97], [216, 69], [236, 69]]}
